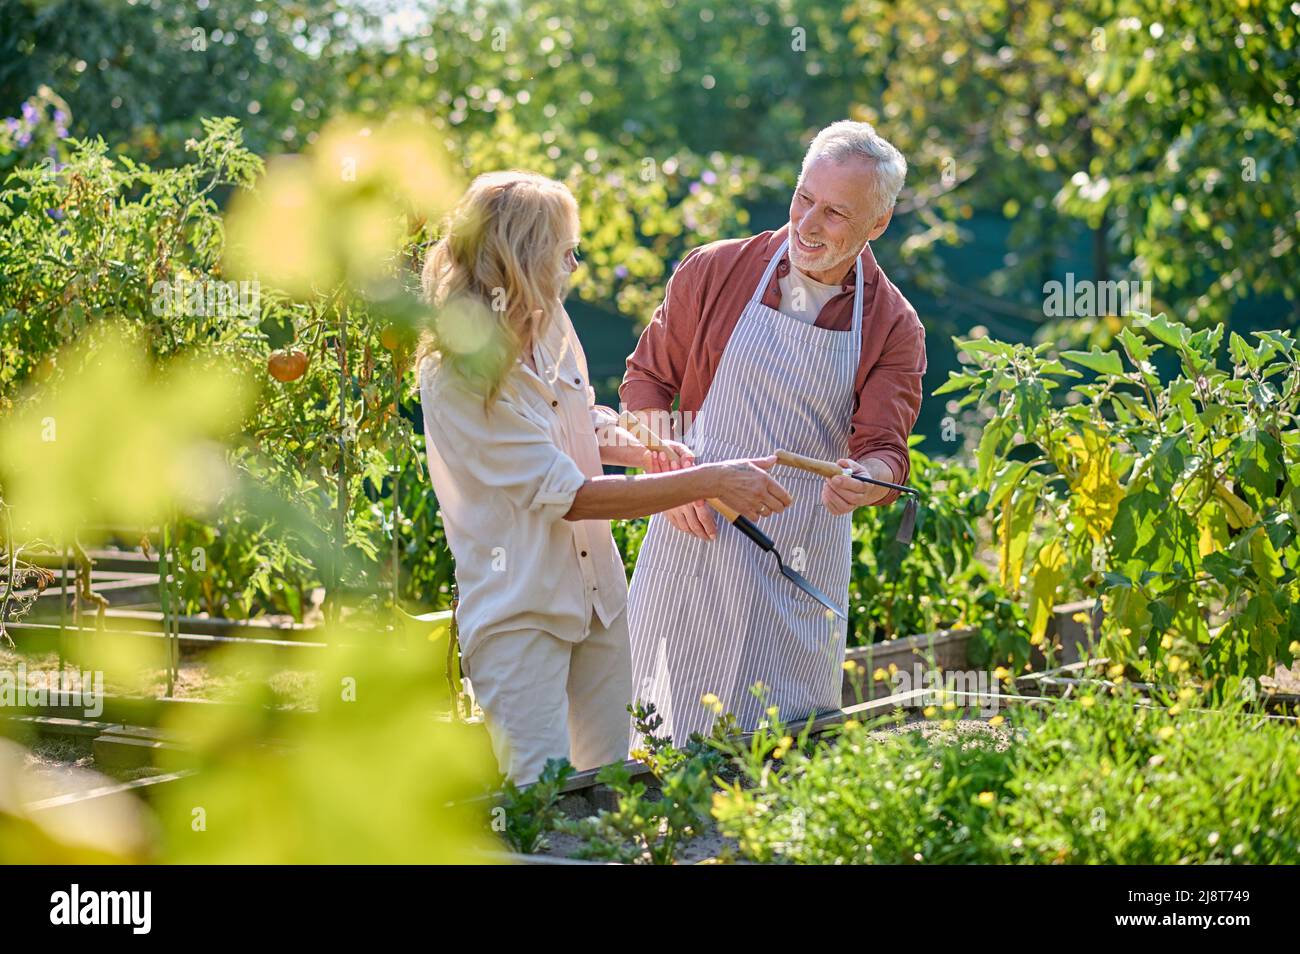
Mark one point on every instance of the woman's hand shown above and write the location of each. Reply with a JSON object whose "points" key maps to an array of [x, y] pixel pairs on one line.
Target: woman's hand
{"points": [[698, 518], [746, 487]]}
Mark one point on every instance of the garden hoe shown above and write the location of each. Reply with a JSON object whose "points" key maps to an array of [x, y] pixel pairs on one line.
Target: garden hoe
{"points": [[743, 524], [829, 469]]}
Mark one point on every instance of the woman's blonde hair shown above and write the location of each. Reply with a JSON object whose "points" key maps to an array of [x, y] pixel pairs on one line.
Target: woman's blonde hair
{"points": [[497, 275]]}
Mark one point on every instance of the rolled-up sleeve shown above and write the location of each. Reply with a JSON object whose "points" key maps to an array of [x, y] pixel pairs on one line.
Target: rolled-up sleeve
{"points": [[889, 401], [504, 449], [655, 368], [601, 416]]}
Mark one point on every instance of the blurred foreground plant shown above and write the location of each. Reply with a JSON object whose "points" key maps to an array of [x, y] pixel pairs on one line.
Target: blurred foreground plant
{"points": [[377, 774]]}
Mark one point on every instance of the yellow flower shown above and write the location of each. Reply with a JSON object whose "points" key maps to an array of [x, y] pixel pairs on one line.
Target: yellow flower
{"points": [[1167, 641], [1175, 709], [850, 724], [996, 721], [1165, 733], [930, 712], [949, 706], [771, 712], [1186, 694], [848, 665], [1035, 639], [1080, 617], [893, 667], [1087, 701], [1116, 671], [709, 699], [1295, 647], [880, 675], [1002, 674], [947, 724], [782, 747], [986, 798], [1176, 663]]}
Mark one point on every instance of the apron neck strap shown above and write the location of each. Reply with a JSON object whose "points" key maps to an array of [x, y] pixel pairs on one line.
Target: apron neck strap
{"points": [[767, 274], [857, 303]]}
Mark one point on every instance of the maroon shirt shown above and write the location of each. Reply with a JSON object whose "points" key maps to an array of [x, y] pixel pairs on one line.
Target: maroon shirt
{"points": [[680, 350]]}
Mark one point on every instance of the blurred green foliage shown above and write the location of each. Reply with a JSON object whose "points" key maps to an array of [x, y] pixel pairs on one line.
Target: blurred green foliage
{"points": [[375, 774], [1160, 136]]}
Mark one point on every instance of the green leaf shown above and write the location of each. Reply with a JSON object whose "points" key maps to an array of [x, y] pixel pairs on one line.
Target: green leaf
{"points": [[1139, 544], [1206, 342], [1138, 350], [1103, 362], [988, 448], [1162, 617], [1007, 477], [1031, 405], [956, 382], [1167, 464], [1242, 353], [1225, 568], [1260, 467], [1055, 367], [1271, 342], [1173, 333], [985, 346]]}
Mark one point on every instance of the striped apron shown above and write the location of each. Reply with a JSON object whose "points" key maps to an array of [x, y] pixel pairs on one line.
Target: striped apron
{"points": [[717, 616]]}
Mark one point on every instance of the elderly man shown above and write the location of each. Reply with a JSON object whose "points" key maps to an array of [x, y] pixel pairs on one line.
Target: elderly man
{"points": [[790, 339]]}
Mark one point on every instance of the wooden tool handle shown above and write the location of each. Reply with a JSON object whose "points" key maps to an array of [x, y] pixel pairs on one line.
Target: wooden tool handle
{"points": [[723, 509], [632, 423], [824, 467], [651, 440]]}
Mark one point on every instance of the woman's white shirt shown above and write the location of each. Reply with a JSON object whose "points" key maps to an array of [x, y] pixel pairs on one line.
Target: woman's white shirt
{"points": [[504, 479]]}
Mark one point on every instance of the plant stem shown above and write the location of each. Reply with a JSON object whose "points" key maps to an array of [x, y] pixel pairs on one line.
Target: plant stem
{"points": [[9, 580]]}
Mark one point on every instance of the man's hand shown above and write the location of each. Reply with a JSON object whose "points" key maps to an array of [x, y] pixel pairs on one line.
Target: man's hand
{"points": [[672, 455], [842, 494], [698, 518]]}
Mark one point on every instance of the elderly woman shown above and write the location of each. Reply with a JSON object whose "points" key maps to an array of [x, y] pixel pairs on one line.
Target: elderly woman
{"points": [[515, 444]]}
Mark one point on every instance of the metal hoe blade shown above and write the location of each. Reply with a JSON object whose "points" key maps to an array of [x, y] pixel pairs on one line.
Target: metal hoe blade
{"points": [[798, 580]]}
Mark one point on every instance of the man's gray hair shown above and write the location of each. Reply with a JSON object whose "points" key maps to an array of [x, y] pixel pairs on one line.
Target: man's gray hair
{"points": [[847, 139]]}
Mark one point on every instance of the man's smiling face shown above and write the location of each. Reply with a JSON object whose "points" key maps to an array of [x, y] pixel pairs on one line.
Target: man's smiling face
{"points": [[830, 217]]}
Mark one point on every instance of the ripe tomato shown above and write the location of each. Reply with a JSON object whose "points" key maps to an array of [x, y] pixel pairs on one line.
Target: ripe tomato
{"points": [[287, 365]]}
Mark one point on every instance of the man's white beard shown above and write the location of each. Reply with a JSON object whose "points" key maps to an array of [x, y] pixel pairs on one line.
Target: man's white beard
{"points": [[821, 262]]}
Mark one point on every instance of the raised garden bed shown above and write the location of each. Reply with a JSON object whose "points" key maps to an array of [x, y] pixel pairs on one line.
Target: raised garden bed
{"points": [[583, 795]]}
